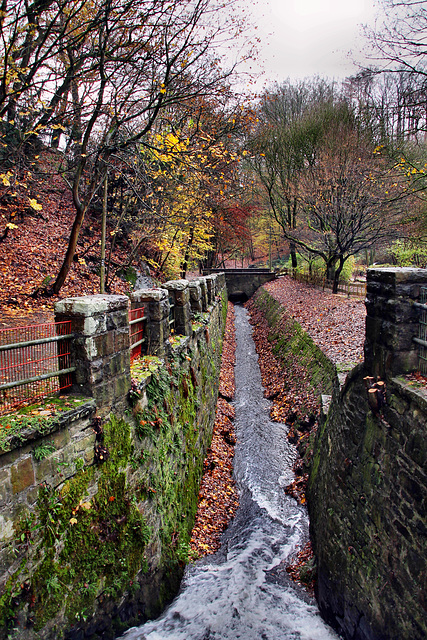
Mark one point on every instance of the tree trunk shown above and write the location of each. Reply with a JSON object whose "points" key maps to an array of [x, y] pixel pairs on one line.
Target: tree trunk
{"points": [[187, 253], [72, 244], [103, 234], [337, 275], [335, 282], [293, 252], [330, 269]]}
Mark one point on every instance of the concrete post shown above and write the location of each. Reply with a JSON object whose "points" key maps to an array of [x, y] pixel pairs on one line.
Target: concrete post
{"points": [[392, 320], [156, 305], [101, 349], [179, 291]]}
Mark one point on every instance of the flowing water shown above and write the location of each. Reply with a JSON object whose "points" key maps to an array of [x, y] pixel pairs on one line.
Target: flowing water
{"points": [[243, 591]]}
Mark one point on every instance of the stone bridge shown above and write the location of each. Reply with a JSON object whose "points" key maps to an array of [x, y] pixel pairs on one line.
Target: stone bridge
{"points": [[242, 283]]}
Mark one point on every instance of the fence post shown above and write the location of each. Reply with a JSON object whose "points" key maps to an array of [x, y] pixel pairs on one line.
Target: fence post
{"points": [[180, 293], [100, 350], [392, 320], [156, 304]]}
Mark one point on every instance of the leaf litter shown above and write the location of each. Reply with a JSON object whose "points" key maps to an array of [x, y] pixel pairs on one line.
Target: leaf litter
{"points": [[218, 497], [336, 324]]}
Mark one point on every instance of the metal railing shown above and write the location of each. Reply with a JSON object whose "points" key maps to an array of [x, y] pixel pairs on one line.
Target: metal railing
{"points": [[346, 288], [137, 332], [421, 340], [34, 363]]}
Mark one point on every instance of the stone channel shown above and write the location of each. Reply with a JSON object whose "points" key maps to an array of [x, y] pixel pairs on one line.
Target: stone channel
{"points": [[243, 591]]}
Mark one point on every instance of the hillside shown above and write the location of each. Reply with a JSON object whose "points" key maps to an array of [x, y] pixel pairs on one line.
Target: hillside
{"points": [[32, 252]]}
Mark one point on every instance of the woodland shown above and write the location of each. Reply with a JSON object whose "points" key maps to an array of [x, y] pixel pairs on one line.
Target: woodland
{"points": [[126, 147]]}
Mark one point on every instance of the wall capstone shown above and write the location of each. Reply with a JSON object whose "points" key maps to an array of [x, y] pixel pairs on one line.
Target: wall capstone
{"points": [[392, 320], [101, 350], [195, 296], [179, 291]]}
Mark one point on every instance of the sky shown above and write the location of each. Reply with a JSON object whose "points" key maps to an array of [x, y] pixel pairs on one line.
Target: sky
{"points": [[301, 38]]}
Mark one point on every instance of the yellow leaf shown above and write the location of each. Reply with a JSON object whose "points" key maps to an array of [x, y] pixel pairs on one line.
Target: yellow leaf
{"points": [[35, 205]]}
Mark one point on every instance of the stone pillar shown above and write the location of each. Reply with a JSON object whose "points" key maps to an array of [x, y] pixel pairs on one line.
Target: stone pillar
{"points": [[204, 293], [392, 320], [100, 350], [179, 291], [210, 284], [156, 305], [221, 283], [195, 296]]}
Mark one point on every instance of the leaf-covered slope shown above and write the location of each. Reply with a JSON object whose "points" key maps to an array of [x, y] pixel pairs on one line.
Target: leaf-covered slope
{"points": [[34, 247]]}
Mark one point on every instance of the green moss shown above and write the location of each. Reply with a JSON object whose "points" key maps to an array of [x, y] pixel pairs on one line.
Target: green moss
{"points": [[40, 417], [87, 546], [142, 368], [290, 341], [224, 305], [85, 541]]}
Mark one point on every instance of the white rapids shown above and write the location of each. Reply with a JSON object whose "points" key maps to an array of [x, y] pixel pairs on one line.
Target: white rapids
{"points": [[243, 592]]}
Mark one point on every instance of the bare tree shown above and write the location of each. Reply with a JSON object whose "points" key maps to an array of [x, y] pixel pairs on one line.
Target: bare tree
{"points": [[348, 199], [292, 122], [102, 74]]}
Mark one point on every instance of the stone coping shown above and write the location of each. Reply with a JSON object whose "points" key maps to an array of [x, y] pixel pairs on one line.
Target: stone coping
{"points": [[416, 394], [91, 305], [59, 422], [402, 274]]}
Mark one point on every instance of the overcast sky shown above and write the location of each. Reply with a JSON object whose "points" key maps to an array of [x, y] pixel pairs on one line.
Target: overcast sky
{"points": [[301, 38]]}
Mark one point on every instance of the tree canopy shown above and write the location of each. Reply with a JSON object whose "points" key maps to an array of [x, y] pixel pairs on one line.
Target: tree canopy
{"points": [[94, 79]]}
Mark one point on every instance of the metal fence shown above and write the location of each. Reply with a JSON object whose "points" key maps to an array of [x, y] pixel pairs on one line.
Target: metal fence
{"points": [[137, 331], [34, 363], [357, 289], [421, 340]]}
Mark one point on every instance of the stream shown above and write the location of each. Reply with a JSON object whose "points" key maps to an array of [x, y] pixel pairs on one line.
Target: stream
{"points": [[243, 591]]}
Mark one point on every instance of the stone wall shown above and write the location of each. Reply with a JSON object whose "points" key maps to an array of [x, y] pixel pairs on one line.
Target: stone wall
{"points": [[367, 489], [94, 536], [291, 343], [242, 283]]}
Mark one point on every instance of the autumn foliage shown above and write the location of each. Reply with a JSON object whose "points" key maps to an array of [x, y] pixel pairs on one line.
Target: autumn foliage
{"points": [[218, 499], [31, 254]]}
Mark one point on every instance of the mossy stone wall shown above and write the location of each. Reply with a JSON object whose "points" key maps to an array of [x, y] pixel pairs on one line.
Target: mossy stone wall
{"points": [[291, 342], [368, 484], [90, 551], [367, 505]]}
